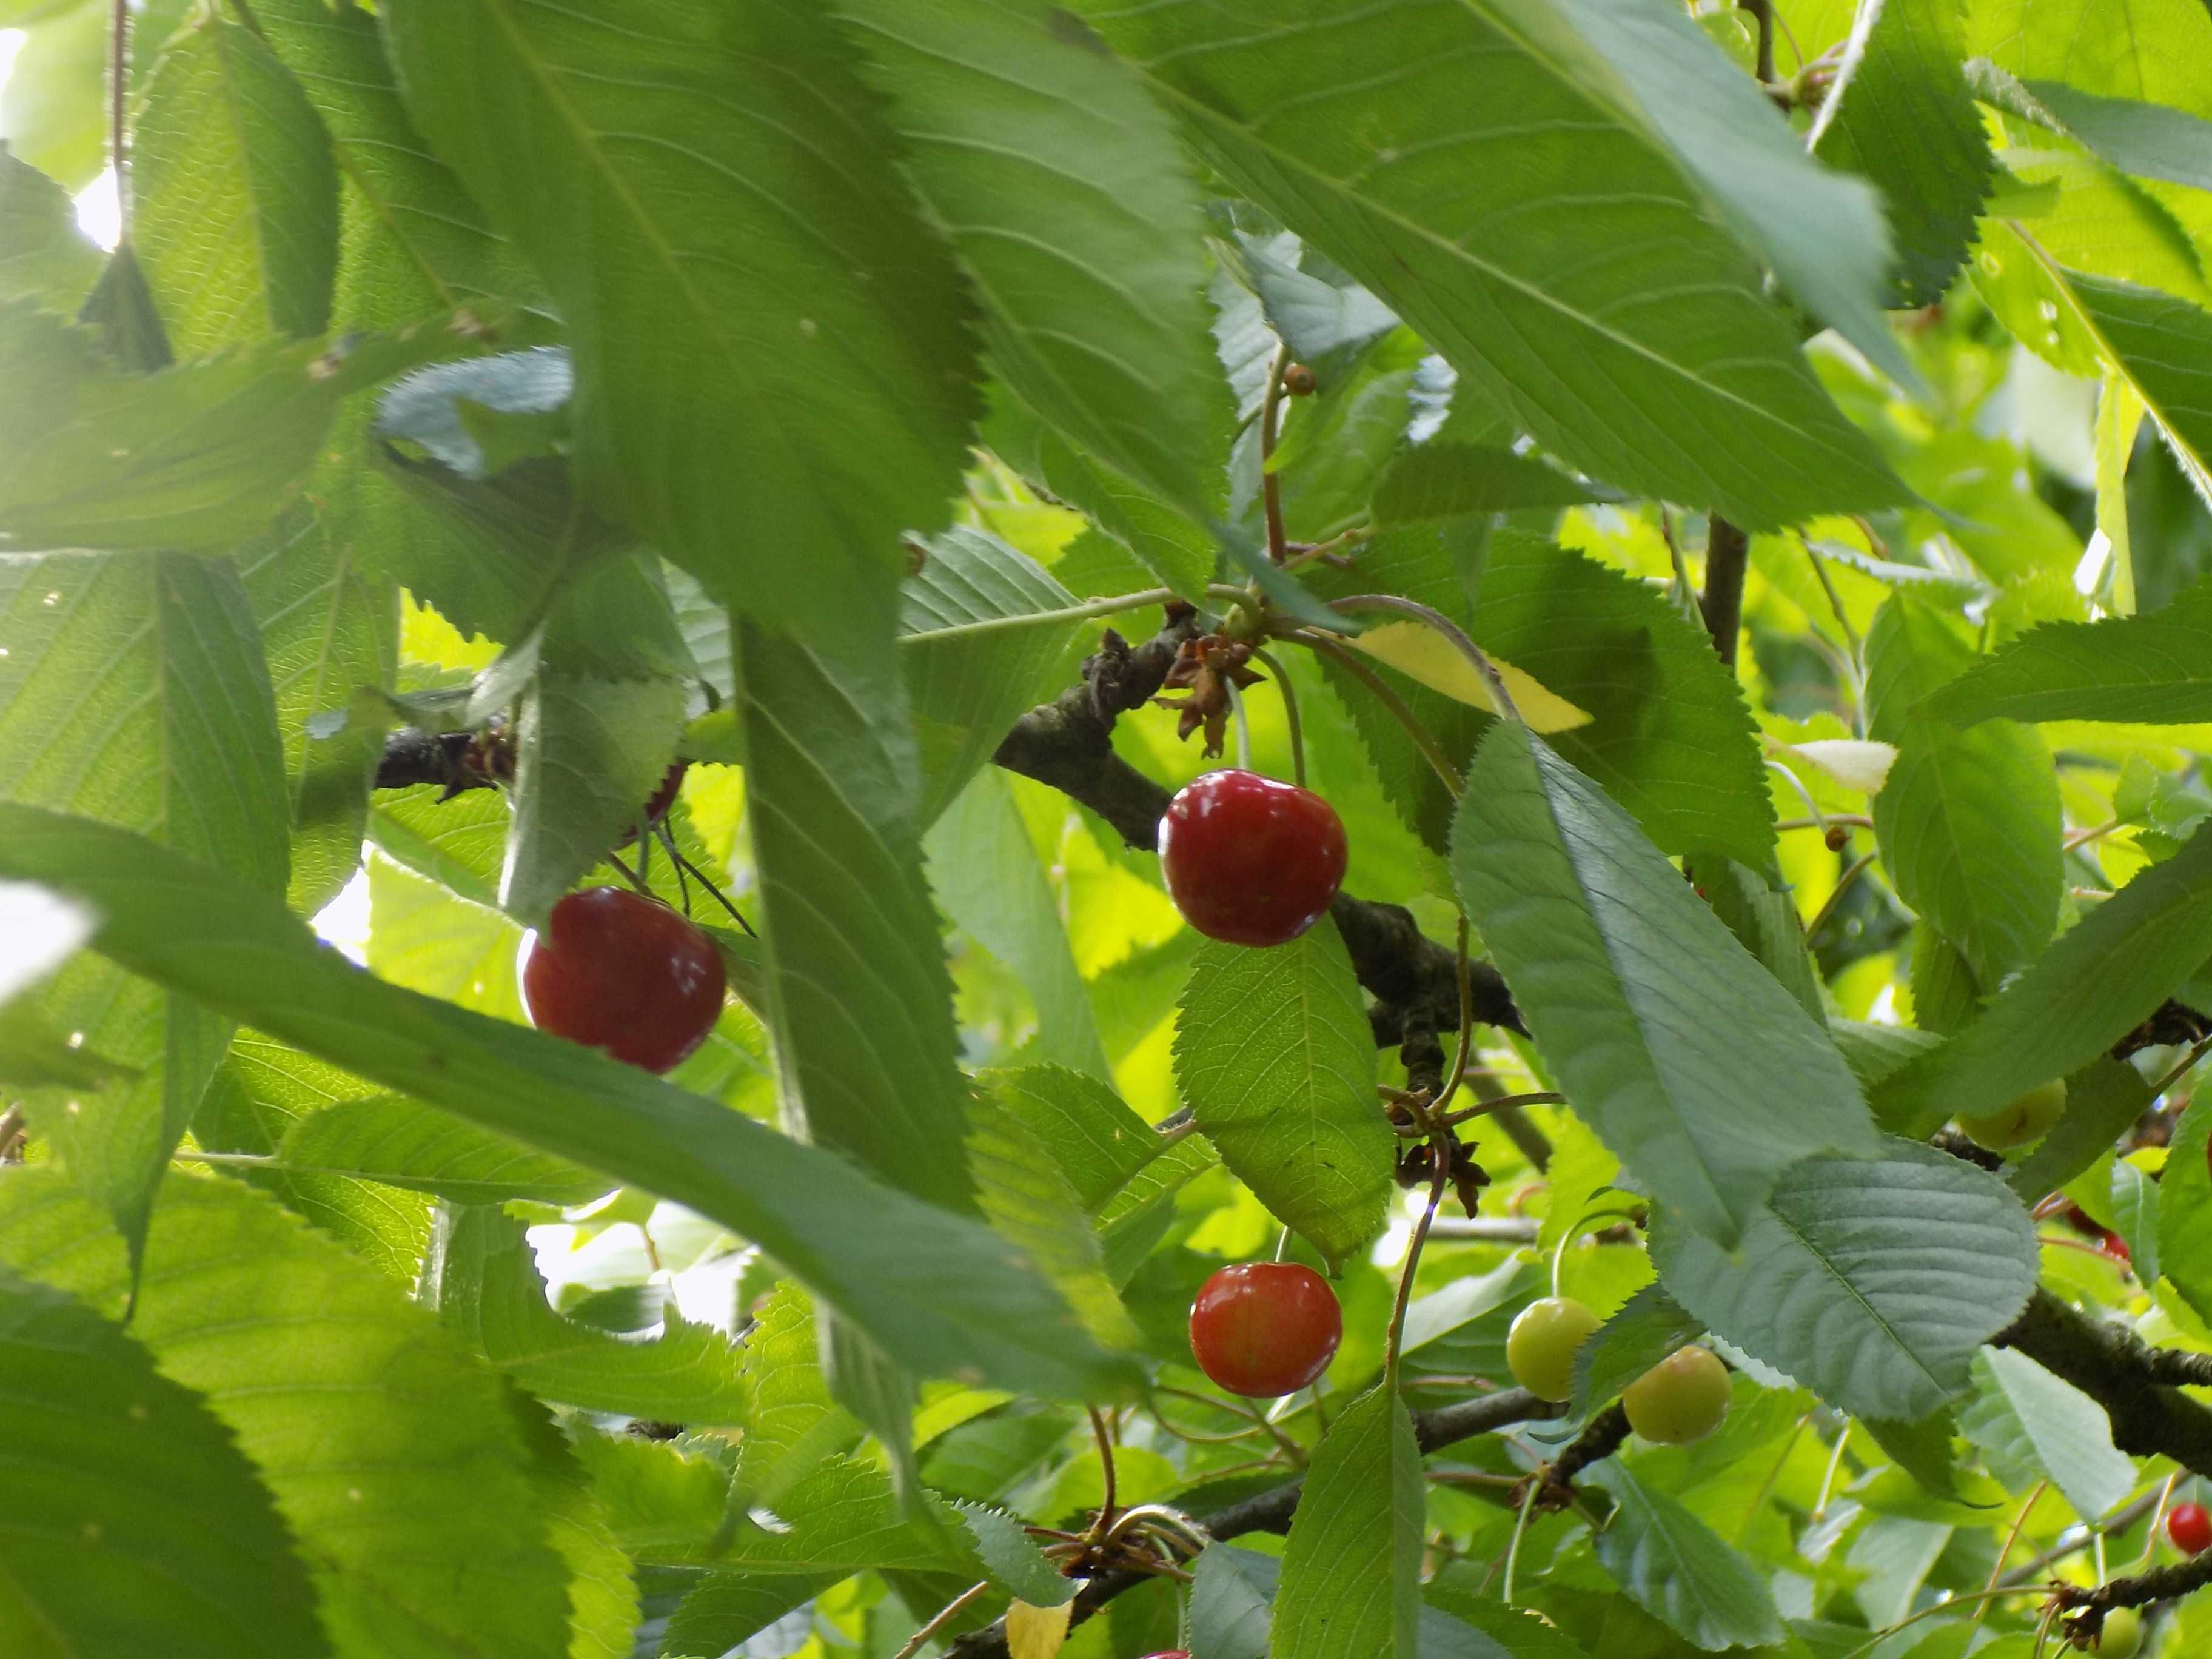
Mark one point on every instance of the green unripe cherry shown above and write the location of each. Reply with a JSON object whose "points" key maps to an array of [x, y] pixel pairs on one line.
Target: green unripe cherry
{"points": [[2029, 1118], [1680, 1399], [2123, 1634], [1541, 1347]]}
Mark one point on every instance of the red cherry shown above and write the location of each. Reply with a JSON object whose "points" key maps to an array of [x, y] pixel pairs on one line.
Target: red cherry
{"points": [[1264, 1328], [2112, 1245], [2189, 1526], [663, 797], [1250, 860], [615, 970]]}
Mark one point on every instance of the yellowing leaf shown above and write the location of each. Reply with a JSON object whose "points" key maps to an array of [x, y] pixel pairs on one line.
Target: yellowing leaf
{"points": [[1420, 652], [1036, 1632], [1855, 765]]}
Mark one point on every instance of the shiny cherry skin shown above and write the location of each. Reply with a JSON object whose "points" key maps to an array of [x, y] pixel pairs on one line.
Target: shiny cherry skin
{"points": [[1264, 1329], [2189, 1526], [613, 970], [1540, 1348], [1249, 859], [2029, 1118], [663, 797], [1680, 1400]]}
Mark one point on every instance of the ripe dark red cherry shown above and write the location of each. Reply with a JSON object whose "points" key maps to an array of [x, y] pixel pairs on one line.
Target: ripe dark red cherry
{"points": [[663, 797], [1249, 859], [2189, 1526], [613, 970], [1264, 1328]]}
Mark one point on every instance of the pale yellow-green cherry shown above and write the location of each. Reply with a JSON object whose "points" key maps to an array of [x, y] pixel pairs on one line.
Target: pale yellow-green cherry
{"points": [[1540, 1348], [2029, 1118], [1680, 1399], [2123, 1634]]}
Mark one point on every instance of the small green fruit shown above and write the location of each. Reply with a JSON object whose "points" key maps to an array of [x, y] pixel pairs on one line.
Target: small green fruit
{"points": [[2029, 1118], [1682, 1398], [1541, 1347], [2123, 1634]]}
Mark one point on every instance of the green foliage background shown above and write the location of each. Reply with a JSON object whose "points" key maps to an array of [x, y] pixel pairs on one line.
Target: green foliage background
{"points": [[803, 388]]}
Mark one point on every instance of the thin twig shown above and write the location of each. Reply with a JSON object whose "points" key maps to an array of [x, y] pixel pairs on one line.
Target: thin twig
{"points": [[1353, 664], [1290, 714], [119, 92], [1843, 886], [1105, 1440], [1271, 491], [950, 1611], [1440, 1158]]}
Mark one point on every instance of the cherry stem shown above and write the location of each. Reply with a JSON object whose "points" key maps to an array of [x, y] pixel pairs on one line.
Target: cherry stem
{"points": [[950, 1611], [1452, 632], [1466, 1026], [1098, 1430], [1352, 663], [1534, 1098], [1270, 492], [1440, 1160], [1243, 724], [1290, 716], [1843, 886]]}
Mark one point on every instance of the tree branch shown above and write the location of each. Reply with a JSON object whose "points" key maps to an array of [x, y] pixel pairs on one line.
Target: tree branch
{"points": [[1271, 1511], [1728, 554], [2136, 1384]]}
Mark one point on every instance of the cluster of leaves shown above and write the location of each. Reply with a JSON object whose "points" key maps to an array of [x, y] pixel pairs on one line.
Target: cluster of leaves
{"points": [[775, 384]]}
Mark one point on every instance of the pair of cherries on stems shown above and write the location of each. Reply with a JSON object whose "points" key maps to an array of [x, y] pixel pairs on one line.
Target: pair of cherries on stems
{"points": [[1252, 861]]}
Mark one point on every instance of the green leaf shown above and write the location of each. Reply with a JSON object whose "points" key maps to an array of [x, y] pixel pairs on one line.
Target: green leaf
{"points": [[2102, 1103], [390, 1139], [2184, 1213], [1351, 1570], [1870, 1282], [598, 728], [2156, 343], [2135, 1212], [414, 242], [49, 108], [2153, 669], [1759, 911], [200, 455], [1677, 1568], [2148, 140], [774, 398], [2097, 983], [133, 690], [1443, 480], [938, 1292], [1906, 120], [1275, 1054], [1968, 822], [483, 1281], [728, 1609], [1672, 1043], [1014, 1560], [394, 1459], [1923, 1450], [1822, 232], [2034, 1426], [326, 630], [1644, 1332], [1178, 552], [1669, 737], [43, 255], [233, 195], [1233, 1597], [1028, 1199], [1065, 196], [791, 1421], [667, 1506], [1532, 295], [1100, 1143], [979, 647], [131, 1509], [861, 1006]]}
